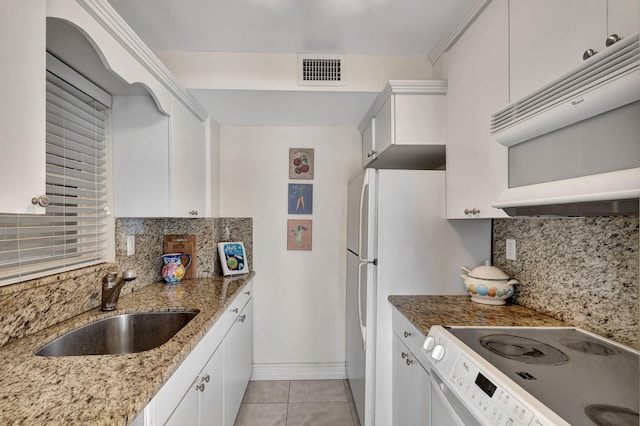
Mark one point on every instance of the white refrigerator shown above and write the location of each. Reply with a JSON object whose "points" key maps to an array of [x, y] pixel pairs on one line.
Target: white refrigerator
{"points": [[398, 242]]}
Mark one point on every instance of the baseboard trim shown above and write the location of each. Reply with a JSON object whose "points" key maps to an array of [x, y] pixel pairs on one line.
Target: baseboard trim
{"points": [[302, 371]]}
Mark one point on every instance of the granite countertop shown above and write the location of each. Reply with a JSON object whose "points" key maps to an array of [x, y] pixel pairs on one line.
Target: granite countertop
{"points": [[107, 389], [425, 311]]}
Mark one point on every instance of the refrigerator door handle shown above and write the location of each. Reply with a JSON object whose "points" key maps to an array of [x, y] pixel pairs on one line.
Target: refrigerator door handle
{"points": [[365, 186], [363, 329]]}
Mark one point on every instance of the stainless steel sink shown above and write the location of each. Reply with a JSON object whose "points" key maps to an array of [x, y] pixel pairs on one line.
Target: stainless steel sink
{"points": [[121, 334]]}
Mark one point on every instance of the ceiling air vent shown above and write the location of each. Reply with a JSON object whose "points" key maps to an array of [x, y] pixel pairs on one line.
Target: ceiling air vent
{"points": [[320, 70]]}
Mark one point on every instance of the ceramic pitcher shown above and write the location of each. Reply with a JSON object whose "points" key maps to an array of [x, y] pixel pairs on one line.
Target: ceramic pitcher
{"points": [[172, 268]]}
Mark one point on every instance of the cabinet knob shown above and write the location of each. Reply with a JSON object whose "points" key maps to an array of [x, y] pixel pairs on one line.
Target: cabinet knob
{"points": [[588, 53], [371, 154], [42, 201], [200, 387], [409, 361], [407, 334], [612, 39], [242, 318], [193, 212]]}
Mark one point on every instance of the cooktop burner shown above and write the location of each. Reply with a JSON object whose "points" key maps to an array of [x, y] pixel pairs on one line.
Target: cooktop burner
{"points": [[523, 349], [611, 415], [586, 346]]}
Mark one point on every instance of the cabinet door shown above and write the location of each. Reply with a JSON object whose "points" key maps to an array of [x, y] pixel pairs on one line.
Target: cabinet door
{"points": [[548, 38], [411, 388], [188, 163], [384, 127], [622, 17], [140, 158], [211, 397], [22, 110], [238, 362], [368, 150], [471, 99], [187, 412], [460, 120]]}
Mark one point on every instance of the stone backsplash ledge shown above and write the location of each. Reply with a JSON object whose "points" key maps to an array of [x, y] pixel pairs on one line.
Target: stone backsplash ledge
{"points": [[31, 306], [580, 270]]}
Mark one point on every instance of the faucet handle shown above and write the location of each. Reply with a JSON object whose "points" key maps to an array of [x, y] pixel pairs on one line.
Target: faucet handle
{"points": [[110, 279]]}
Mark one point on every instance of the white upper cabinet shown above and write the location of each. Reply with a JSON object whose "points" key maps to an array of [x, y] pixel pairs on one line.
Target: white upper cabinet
{"points": [[405, 126], [549, 37], [478, 79], [163, 171], [187, 163], [158, 160], [22, 110]]}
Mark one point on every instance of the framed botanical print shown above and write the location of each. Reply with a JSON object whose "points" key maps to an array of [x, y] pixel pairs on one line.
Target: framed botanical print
{"points": [[300, 163], [300, 198], [299, 234]]}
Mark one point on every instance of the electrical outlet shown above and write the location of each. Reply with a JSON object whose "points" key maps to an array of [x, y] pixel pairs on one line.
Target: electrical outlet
{"points": [[511, 249], [131, 245]]}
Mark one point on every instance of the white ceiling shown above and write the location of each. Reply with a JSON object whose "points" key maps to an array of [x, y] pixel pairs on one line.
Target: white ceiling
{"points": [[363, 27]]}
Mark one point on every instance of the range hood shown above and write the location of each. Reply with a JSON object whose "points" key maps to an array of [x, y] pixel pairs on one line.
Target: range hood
{"points": [[573, 146]]}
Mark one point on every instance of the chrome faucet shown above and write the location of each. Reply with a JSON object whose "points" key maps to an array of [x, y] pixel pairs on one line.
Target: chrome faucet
{"points": [[111, 288]]}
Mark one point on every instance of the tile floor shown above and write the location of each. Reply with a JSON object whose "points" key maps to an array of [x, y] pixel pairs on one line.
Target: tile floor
{"points": [[298, 403]]}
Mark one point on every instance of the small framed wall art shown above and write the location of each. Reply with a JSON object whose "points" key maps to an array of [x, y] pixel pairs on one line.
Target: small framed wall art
{"points": [[300, 163], [299, 234], [233, 258], [300, 198]]}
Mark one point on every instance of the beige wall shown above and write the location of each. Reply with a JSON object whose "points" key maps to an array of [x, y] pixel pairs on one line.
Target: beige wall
{"points": [[299, 299]]}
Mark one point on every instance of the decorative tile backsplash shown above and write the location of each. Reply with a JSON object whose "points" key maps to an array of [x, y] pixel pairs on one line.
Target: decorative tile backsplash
{"points": [[580, 270], [31, 306]]}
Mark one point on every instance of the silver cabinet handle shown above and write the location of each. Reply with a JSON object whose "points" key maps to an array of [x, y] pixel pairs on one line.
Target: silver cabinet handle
{"points": [[242, 318], [206, 378], [407, 334], [473, 211], [588, 53], [193, 212], [409, 361], [234, 310], [612, 39], [404, 355], [371, 154], [42, 201], [248, 293], [200, 387]]}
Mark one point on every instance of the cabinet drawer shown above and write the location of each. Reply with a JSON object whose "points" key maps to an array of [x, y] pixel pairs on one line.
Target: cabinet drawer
{"points": [[408, 333], [235, 308]]}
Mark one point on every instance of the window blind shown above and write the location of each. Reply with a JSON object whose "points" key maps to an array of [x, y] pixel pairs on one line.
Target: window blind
{"points": [[72, 233]]}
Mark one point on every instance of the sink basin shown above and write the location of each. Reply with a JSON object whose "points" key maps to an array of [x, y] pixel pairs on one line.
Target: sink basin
{"points": [[121, 334]]}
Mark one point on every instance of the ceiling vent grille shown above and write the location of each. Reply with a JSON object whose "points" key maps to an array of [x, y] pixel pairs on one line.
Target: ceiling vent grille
{"points": [[320, 70]]}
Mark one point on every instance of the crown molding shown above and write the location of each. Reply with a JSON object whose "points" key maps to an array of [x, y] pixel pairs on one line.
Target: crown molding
{"points": [[106, 16], [466, 17]]}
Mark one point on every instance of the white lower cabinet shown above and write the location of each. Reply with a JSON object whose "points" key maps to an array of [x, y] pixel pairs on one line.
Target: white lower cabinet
{"points": [[208, 387], [203, 403], [238, 359], [411, 381], [411, 388]]}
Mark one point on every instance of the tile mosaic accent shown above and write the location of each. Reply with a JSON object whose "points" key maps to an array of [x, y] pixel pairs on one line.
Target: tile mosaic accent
{"points": [[580, 270]]}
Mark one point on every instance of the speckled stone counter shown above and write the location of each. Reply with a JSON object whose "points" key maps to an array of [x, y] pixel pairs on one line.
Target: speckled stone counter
{"points": [[107, 389], [425, 311]]}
